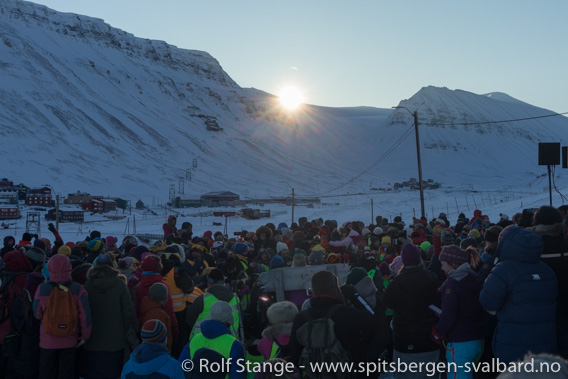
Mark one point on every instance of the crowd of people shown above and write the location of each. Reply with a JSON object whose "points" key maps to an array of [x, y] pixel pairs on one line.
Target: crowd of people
{"points": [[428, 291]]}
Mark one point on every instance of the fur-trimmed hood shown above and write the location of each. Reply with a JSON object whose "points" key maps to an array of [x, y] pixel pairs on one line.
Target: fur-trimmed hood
{"points": [[102, 277], [264, 229], [548, 230], [276, 330]]}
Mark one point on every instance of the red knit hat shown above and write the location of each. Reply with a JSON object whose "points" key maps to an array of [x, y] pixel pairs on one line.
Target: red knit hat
{"points": [[150, 264]]}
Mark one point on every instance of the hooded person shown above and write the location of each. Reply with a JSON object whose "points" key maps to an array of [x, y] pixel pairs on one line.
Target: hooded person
{"points": [[16, 268], [151, 358], [351, 326], [522, 291], [9, 243], [57, 353], [170, 228], [276, 336], [112, 313], [409, 294], [216, 344], [549, 225]]}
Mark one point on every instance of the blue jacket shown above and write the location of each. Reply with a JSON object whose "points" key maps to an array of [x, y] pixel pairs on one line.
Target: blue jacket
{"points": [[151, 360], [522, 290], [213, 329]]}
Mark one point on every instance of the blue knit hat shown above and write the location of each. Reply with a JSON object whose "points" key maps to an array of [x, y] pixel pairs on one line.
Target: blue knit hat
{"points": [[153, 331]]}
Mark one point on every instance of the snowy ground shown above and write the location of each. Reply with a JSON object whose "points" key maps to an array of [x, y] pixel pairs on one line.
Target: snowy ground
{"points": [[405, 203]]}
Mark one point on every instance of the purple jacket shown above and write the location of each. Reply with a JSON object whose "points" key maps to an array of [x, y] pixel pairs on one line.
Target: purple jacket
{"points": [[461, 311]]}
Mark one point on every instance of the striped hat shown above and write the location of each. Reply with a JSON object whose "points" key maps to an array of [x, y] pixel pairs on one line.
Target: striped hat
{"points": [[153, 331]]}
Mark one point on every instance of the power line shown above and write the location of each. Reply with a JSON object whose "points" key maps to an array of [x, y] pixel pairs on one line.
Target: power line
{"points": [[409, 131], [376, 162], [497, 122]]}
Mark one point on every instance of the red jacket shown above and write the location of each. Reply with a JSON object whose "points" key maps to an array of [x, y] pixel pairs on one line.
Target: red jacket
{"points": [[143, 290]]}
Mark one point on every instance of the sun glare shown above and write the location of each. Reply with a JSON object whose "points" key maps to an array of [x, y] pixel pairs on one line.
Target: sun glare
{"points": [[291, 98]]}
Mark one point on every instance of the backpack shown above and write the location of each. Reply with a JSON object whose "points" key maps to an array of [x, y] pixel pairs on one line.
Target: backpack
{"points": [[20, 314], [5, 284], [61, 316], [320, 344]]}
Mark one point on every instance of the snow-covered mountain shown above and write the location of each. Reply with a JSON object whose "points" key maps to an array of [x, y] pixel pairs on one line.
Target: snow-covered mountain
{"points": [[89, 107]]}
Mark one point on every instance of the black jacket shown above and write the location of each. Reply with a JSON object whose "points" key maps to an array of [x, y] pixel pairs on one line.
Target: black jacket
{"points": [[353, 329], [409, 294]]}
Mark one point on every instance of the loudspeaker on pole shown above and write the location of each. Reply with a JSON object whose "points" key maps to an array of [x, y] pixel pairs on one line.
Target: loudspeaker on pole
{"points": [[548, 153]]}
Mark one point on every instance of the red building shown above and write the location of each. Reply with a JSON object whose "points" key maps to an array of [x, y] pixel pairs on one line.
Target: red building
{"points": [[9, 211], [6, 183], [39, 196], [100, 205]]}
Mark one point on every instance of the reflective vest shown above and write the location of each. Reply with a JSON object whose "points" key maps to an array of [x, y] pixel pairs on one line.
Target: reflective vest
{"points": [[221, 345], [179, 298], [208, 301], [274, 351], [194, 295]]}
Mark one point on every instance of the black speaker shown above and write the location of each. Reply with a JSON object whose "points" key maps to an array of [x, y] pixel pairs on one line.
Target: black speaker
{"points": [[564, 156], [548, 153]]}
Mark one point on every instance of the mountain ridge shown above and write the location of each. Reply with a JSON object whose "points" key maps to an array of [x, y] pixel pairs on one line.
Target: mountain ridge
{"points": [[94, 108]]}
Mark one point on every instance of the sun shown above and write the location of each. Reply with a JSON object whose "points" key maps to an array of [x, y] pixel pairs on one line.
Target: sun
{"points": [[291, 97]]}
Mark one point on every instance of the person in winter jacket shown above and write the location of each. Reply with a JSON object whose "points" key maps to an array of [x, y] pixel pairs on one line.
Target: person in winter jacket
{"points": [[152, 307], [276, 336], [200, 309], [264, 239], [151, 360], [57, 354], [170, 230], [9, 243], [181, 286], [522, 291], [111, 314], [351, 325], [547, 223], [409, 294], [360, 292], [25, 364], [13, 277], [151, 269], [460, 323], [216, 344]]}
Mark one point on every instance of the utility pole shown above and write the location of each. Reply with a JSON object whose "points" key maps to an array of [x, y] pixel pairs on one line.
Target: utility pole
{"points": [[372, 215], [419, 163], [57, 212], [420, 185], [292, 207]]}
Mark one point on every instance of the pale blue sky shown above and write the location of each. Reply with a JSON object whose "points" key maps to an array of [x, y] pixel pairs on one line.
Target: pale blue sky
{"points": [[372, 53]]}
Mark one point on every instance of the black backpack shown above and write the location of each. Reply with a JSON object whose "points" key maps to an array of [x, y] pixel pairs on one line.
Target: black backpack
{"points": [[321, 345]]}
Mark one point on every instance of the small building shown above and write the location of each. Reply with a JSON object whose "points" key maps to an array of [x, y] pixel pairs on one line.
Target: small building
{"points": [[140, 204], [6, 183], [187, 203], [99, 205], [220, 197], [77, 198], [10, 197], [39, 196], [121, 203], [9, 211], [65, 216]]}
